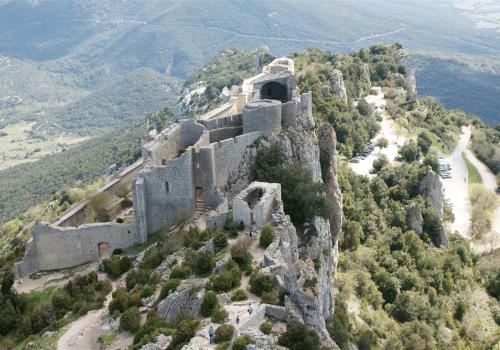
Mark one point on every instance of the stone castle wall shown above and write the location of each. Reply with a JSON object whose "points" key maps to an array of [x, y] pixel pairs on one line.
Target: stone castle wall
{"points": [[53, 247], [168, 193], [263, 115], [76, 215]]}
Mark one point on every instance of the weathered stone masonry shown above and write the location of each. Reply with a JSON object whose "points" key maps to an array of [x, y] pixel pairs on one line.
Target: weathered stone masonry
{"points": [[188, 163]]}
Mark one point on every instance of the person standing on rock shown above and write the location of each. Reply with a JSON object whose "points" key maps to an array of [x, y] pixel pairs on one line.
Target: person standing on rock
{"points": [[237, 320], [211, 334], [250, 310]]}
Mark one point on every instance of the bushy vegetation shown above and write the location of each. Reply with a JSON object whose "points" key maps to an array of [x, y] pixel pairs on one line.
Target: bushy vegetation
{"points": [[299, 337], [239, 295], [168, 287], [224, 333], [209, 305], [184, 331], [229, 278], [407, 287], [354, 126], [241, 342], [117, 265], [130, 320], [148, 332], [485, 144], [302, 197], [266, 236], [28, 314], [260, 283]]}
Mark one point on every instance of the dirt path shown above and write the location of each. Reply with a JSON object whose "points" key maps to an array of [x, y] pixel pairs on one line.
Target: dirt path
{"points": [[85, 332]]}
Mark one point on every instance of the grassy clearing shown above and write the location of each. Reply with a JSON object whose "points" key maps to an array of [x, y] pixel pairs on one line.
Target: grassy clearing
{"points": [[483, 203], [44, 343], [109, 338], [38, 297], [472, 172]]}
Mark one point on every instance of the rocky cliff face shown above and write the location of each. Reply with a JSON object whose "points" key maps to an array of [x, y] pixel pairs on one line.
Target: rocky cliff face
{"points": [[338, 87], [309, 260]]}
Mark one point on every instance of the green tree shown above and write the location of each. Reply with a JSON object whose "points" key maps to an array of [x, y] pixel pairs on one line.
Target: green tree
{"points": [[130, 320], [266, 236], [410, 151], [299, 337]]}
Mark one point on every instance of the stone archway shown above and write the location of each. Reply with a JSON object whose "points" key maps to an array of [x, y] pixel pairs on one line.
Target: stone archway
{"points": [[274, 91], [104, 250]]}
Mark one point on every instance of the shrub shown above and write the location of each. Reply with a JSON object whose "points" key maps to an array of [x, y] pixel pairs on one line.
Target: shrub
{"points": [[209, 305], [120, 302], [224, 333], [148, 330], [228, 278], [240, 253], [130, 320], [494, 285], [241, 342], [183, 333], [220, 316], [260, 283], [410, 151], [239, 295], [266, 236], [299, 337], [274, 297], [203, 263], [424, 142], [168, 287], [410, 306], [367, 340], [117, 265], [139, 277], [147, 291], [266, 327], [220, 241], [152, 259], [180, 272]]}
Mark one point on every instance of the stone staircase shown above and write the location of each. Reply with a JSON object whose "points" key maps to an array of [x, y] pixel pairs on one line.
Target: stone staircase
{"points": [[199, 207]]}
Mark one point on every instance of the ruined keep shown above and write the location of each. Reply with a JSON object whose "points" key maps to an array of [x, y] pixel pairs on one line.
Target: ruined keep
{"points": [[185, 168]]}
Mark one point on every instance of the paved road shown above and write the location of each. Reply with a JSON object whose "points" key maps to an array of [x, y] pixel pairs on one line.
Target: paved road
{"points": [[456, 188]]}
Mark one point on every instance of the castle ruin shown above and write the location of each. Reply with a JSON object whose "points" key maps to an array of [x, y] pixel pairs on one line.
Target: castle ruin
{"points": [[184, 170]]}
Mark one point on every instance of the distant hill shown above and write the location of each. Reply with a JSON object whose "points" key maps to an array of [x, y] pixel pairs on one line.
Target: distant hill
{"points": [[82, 46]]}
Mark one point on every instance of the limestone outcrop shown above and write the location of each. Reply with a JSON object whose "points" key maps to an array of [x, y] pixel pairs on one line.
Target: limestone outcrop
{"points": [[431, 187], [414, 218], [338, 87], [184, 302]]}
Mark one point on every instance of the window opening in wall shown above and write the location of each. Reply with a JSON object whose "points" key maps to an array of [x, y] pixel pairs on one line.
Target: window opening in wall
{"points": [[166, 187], [163, 162]]}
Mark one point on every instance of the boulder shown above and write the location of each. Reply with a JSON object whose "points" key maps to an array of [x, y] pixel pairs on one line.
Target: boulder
{"points": [[184, 302]]}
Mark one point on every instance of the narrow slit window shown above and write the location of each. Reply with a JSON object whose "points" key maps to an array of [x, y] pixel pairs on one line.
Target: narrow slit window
{"points": [[166, 187]]}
